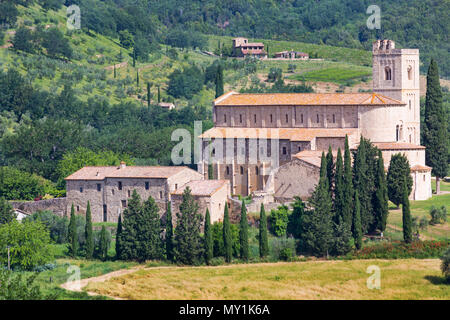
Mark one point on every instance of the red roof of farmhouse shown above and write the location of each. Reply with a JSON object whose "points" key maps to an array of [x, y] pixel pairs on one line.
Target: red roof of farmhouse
{"points": [[100, 173], [304, 99]]}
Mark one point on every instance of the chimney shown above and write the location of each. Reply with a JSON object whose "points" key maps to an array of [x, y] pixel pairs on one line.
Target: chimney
{"points": [[122, 165]]}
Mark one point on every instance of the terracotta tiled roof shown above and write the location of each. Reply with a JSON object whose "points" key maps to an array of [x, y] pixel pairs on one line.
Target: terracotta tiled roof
{"points": [[419, 167], [202, 187], [305, 99], [313, 156], [292, 134], [396, 146], [100, 173]]}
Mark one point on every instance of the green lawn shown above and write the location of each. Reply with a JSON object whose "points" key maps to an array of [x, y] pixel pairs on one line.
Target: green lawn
{"points": [[445, 186], [420, 209]]}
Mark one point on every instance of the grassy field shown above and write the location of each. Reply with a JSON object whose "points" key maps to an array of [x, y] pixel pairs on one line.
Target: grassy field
{"points": [[400, 279], [49, 281], [341, 74], [420, 209], [445, 186]]}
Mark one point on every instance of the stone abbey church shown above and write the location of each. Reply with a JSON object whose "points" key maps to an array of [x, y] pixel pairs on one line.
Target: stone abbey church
{"points": [[305, 124], [291, 128]]}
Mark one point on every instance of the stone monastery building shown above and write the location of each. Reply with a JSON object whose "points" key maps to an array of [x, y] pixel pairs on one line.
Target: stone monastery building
{"points": [[108, 189], [297, 127]]}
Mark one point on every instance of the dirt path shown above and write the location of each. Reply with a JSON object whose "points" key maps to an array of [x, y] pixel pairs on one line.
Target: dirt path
{"points": [[77, 286]]}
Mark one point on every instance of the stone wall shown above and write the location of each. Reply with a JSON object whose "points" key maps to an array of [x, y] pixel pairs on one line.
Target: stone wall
{"points": [[286, 116], [56, 205], [296, 178]]}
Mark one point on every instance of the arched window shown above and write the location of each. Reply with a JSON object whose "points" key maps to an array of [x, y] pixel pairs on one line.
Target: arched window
{"points": [[225, 118], [397, 133], [388, 73], [254, 118], [287, 118], [271, 119], [410, 71], [242, 170], [228, 170], [317, 118], [334, 118], [240, 118], [257, 170], [301, 118]]}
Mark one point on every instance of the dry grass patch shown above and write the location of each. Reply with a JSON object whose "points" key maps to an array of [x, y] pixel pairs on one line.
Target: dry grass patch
{"points": [[400, 279]]}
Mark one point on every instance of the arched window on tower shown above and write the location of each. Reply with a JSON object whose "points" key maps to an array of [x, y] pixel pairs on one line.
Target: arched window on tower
{"points": [[397, 133], [410, 73], [388, 73]]}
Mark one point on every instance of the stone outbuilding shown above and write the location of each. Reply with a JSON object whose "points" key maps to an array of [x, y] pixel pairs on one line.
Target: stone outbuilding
{"points": [[108, 189], [209, 194]]}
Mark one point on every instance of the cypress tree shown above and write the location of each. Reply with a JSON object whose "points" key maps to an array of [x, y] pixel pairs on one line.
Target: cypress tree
{"points": [[243, 233], [103, 244], [134, 58], [118, 232], [361, 183], [263, 238], [209, 245], [381, 198], [149, 244], [169, 233], [342, 236], [406, 216], [399, 171], [188, 242], [159, 94], [435, 133], [317, 236], [137, 78], [227, 240], [330, 170], [219, 81], [89, 248], [128, 236], [347, 202], [323, 166], [339, 189], [114, 71], [357, 231], [73, 236], [148, 94], [296, 218]]}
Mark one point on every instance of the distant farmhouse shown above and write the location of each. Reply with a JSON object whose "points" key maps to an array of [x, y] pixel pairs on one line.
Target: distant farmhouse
{"points": [[243, 48], [167, 105], [292, 55], [108, 189]]}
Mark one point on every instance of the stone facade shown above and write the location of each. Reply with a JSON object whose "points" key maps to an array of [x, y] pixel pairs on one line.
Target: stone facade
{"points": [[209, 194], [109, 194], [299, 122]]}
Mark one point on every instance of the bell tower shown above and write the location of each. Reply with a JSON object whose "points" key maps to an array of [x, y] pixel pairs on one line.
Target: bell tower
{"points": [[396, 75]]}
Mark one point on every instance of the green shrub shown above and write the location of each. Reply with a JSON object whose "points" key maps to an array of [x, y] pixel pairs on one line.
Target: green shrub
{"points": [[438, 215], [279, 220], [445, 266], [57, 226], [402, 250], [282, 249]]}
